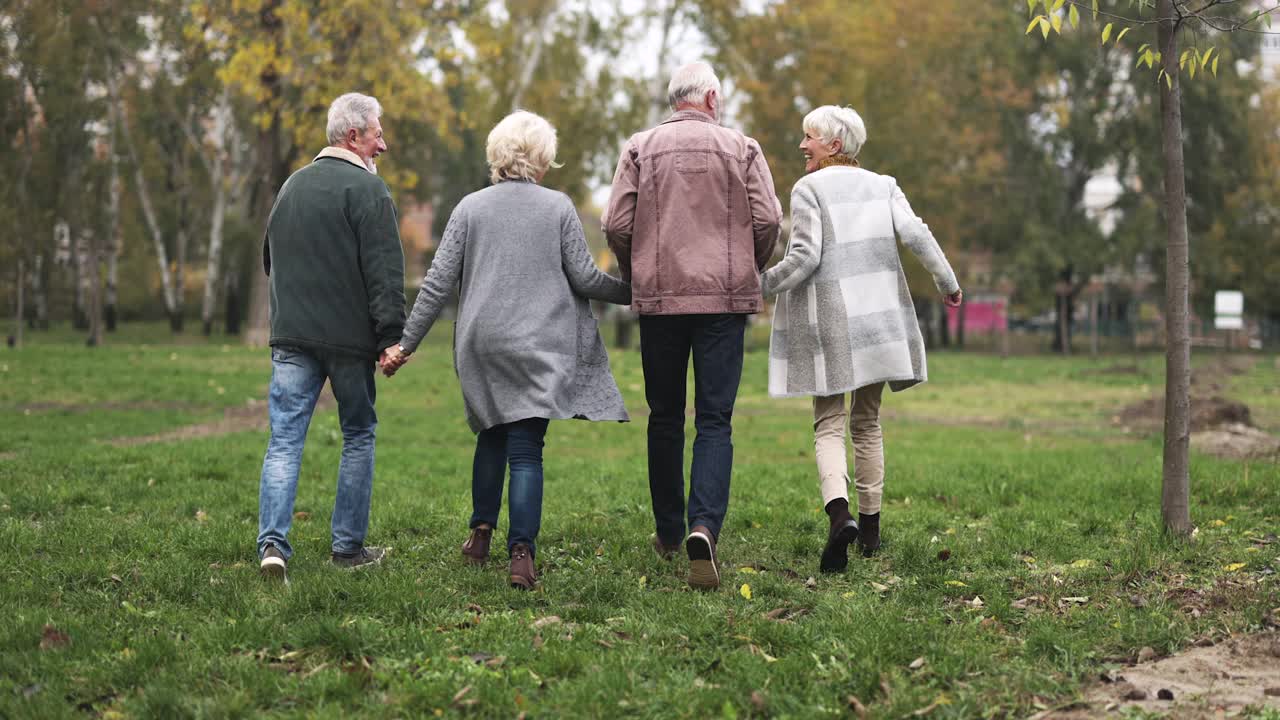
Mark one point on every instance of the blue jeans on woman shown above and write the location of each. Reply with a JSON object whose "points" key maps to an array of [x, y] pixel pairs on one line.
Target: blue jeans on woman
{"points": [[517, 445], [297, 376]]}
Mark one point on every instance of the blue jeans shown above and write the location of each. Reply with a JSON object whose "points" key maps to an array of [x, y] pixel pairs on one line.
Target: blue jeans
{"points": [[518, 445], [297, 375], [666, 342]]}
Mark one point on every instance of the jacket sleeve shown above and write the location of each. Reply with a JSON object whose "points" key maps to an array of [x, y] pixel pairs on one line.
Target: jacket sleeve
{"points": [[804, 249], [382, 266], [438, 285], [916, 236], [766, 210], [585, 278], [619, 218]]}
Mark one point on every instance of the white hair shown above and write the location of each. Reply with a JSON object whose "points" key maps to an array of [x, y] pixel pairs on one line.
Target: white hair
{"points": [[691, 83], [520, 147], [832, 122], [352, 111]]}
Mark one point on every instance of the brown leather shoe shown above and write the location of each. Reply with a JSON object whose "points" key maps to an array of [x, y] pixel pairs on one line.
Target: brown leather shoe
{"points": [[523, 576], [665, 551], [703, 572], [476, 548]]}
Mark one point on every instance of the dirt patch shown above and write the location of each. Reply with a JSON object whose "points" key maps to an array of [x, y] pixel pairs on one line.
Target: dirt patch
{"points": [[1219, 426], [1207, 413], [1216, 681], [1237, 442], [252, 416]]}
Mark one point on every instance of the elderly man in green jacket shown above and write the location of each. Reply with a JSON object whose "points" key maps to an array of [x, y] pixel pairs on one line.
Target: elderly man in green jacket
{"points": [[333, 253]]}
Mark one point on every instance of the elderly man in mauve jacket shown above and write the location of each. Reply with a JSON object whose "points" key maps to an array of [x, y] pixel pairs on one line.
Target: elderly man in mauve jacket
{"points": [[337, 304], [692, 218]]}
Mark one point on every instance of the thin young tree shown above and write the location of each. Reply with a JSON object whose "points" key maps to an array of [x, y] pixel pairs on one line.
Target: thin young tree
{"points": [[1171, 19]]}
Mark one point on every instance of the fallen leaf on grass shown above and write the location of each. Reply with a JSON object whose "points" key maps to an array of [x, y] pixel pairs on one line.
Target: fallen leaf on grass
{"points": [[976, 602], [51, 637], [917, 663], [545, 621], [955, 583], [756, 650], [475, 608], [1234, 566], [202, 516], [878, 587], [745, 591], [758, 702], [939, 702], [1025, 602], [857, 707], [537, 642], [644, 580], [1146, 654], [784, 614], [748, 570], [1082, 563], [1076, 600], [459, 702], [811, 583]]}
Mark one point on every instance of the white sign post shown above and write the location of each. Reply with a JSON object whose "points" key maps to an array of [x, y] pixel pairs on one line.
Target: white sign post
{"points": [[1228, 310]]}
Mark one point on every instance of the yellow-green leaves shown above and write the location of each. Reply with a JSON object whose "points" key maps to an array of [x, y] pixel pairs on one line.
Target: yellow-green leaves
{"points": [[1106, 33], [1122, 34], [1095, 9], [1074, 16]]}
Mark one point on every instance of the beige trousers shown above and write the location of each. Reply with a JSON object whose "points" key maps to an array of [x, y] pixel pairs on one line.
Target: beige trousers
{"points": [[868, 447]]}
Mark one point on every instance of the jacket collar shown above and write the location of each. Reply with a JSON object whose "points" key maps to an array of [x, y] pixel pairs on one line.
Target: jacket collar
{"points": [[342, 154], [690, 115]]}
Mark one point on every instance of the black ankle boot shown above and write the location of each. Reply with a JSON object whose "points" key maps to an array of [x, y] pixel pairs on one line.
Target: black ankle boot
{"points": [[869, 533], [843, 533]]}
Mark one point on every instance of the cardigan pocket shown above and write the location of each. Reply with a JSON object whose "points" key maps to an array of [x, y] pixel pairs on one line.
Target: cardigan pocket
{"points": [[591, 349]]}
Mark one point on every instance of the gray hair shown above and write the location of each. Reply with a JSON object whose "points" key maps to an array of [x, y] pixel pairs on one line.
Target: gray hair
{"points": [[832, 122], [691, 83], [520, 147], [348, 112]]}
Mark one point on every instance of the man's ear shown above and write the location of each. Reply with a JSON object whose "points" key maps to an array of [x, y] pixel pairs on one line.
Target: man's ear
{"points": [[352, 135], [712, 99]]}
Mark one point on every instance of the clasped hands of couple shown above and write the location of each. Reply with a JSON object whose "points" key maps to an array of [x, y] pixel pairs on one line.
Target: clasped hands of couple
{"points": [[392, 359], [395, 357]]}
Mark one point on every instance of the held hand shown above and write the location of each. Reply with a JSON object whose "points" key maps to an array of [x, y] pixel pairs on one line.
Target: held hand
{"points": [[954, 299], [392, 359]]}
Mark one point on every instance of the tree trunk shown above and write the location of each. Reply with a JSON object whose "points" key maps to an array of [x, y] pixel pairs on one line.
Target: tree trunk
{"points": [[94, 270], [1093, 325], [144, 197], [1175, 494], [40, 293], [19, 319], [113, 234], [182, 169], [215, 255]]}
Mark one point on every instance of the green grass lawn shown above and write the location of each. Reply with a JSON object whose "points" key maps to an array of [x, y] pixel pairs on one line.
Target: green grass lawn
{"points": [[1023, 552]]}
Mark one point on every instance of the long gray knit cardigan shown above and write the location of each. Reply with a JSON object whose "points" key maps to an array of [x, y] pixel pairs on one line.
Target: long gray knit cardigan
{"points": [[844, 317], [525, 342]]}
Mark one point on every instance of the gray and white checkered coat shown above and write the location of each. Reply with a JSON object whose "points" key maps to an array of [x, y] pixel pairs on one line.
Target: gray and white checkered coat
{"points": [[844, 317]]}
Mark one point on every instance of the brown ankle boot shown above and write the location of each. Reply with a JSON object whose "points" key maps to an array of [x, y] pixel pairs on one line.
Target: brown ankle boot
{"points": [[523, 576], [476, 548]]}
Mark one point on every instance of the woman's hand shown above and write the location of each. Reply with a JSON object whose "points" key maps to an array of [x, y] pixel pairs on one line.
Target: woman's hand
{"points": [[392, 359], [954, 299]]}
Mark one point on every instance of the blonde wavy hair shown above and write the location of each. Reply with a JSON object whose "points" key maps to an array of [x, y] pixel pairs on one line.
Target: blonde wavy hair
{"points": [[522, 146]]}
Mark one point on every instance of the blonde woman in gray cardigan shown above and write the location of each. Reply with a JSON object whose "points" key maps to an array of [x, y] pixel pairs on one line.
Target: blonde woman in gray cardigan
{"points": [[526, 346], [844, 321]]}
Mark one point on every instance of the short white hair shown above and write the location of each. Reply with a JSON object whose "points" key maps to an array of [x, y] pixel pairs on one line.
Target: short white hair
{"points": [[691, 83], [520, 147], [832, 122], [352, 111]]}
